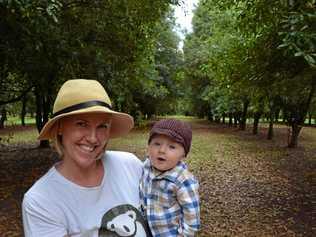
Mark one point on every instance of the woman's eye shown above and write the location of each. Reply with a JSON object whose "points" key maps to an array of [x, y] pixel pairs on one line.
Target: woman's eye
{"points": [[172, 147], [156, 143], [105, 125], [81, 124]]}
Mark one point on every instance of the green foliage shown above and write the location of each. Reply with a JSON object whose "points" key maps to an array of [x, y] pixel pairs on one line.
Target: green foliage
{"points": [[129, 46], [248, 49], [298, 32], [210, 52], [160, 74]]}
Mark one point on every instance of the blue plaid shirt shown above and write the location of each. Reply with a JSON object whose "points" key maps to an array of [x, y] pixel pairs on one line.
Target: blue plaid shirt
{"points": [[170, 201]]}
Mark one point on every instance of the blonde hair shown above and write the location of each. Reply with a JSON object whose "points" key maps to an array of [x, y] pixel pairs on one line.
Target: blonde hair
{"points": [[57, 144], [57, 139]]}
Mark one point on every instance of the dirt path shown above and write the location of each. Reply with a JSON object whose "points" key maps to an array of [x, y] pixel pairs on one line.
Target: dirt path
{"points": [[254, 198], [20, 167], [258, 189]]}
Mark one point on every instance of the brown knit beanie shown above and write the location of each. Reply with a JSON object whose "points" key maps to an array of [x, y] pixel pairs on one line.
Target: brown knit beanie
{"points": [[176, 130]]}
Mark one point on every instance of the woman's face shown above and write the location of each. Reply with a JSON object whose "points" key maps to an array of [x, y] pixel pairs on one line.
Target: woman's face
{"points": [[84, 138]]}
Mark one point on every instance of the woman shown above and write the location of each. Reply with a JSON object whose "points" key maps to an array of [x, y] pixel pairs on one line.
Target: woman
{"points": [[91, 191]]}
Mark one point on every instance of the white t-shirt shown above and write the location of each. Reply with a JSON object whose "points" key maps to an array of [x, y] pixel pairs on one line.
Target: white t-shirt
{"points": [[57, 207]]}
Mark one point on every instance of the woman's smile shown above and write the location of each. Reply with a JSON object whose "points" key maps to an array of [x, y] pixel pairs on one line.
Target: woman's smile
{"points": [[87, 148]]}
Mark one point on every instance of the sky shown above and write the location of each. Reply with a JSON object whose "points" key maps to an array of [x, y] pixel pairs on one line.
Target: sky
{"points": [[184, 15]]}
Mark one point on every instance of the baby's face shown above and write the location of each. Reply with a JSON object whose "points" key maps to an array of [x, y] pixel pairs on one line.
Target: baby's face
{"points": [[165, 153]]}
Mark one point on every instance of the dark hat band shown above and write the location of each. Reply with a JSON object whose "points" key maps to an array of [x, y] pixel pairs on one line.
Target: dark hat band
{"points": [[82, 106]]}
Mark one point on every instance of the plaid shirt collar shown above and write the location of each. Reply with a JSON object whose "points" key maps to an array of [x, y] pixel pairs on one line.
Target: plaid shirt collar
{"points": [[171, 175]]}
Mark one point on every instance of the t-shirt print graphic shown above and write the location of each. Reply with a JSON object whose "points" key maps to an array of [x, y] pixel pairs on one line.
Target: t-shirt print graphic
{"points": [[123, 220]]}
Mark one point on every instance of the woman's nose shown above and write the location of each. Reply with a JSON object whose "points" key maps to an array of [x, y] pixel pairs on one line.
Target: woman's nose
{"points": [[92, 136]]}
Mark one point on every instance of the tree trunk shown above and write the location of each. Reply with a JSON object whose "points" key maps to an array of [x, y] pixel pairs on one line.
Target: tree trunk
{"points": [[310, 119], [257, 116], [277, 114], [270, 131], [235, 120], [242, 125], [294, 135], [38, 115], [298, 118], [230, 123], [284, 119], [3, 117], [210, 116], [217, 119], [23, 110], [41, 115], [271, 118], [223, 119]]}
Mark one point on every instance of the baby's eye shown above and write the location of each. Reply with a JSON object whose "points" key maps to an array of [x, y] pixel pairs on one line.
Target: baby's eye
{"points": [[172, 147], [156, 143]]}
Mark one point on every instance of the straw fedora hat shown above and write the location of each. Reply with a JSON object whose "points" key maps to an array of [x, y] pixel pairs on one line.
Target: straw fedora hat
{"points": [[80, 96]]}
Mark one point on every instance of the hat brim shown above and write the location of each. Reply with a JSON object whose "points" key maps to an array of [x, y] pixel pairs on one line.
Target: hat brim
{"points": [[166, 132], [121, 123]]}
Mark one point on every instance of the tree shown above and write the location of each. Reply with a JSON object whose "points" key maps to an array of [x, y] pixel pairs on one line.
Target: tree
{"points": [[48, 42], [161, 78], [268, 52]]}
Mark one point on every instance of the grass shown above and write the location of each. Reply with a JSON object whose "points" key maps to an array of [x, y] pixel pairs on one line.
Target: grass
{"points": [[14, 120], [20, 137], [16, 135], [134, 142]]}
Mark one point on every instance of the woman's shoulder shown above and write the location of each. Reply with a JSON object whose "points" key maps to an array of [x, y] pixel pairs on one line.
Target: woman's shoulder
{"points": [[40, 191], [43, 182]]}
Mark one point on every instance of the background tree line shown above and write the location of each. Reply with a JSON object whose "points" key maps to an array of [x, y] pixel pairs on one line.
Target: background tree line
{"points": [[129, 46], [253, 58], [244, 58]]}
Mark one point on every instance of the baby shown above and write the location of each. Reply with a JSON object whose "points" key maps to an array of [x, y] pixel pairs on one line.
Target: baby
{"points": [[168, 191]]}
